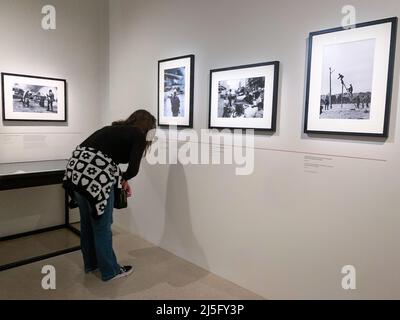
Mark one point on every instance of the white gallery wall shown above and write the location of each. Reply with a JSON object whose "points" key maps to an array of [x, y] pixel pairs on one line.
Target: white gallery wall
{"points": [[312, 205], [76, 51]]}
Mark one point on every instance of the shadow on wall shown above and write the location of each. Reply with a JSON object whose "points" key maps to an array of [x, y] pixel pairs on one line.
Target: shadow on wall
{"points": [[178, 235]]}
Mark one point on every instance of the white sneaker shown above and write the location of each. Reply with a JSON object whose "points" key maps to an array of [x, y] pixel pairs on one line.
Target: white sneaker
{"points": [[125, 271]]}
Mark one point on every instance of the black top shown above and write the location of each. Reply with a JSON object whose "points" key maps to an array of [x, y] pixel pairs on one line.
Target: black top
{"points": [[124, 144]]}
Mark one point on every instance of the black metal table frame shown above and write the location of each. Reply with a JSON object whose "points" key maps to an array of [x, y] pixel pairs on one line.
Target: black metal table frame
{"points": [[29, 180]]}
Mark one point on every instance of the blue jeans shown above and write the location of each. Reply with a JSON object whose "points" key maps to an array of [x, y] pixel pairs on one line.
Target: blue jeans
{"points": [[96, 238]]}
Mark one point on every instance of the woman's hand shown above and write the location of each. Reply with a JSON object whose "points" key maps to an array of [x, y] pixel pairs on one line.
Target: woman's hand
{"points": [[127, 188]]}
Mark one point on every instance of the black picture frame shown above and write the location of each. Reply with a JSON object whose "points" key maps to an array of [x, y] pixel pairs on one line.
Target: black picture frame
{"points": [[191, 94], [389, 85], [4, 116], [274, 109]]}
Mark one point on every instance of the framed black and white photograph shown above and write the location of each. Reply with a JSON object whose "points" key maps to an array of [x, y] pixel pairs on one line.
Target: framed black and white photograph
{"points": [[175, 91], [244, 97], [33, 98], [350, 78]]}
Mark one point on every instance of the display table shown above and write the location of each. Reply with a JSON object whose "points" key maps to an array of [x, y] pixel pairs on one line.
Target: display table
{"points": [[35, 174]]}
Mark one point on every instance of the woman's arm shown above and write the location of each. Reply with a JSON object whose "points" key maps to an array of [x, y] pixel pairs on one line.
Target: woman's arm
{"points": [[135, 157]]}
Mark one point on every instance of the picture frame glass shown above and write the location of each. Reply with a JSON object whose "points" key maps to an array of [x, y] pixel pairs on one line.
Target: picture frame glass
{"points": [[244, 97], [29, 98], [175, 92], [349, 80]]}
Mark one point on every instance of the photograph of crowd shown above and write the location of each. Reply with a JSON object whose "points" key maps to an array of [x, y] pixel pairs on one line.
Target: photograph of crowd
{"points": [[242, 98]]}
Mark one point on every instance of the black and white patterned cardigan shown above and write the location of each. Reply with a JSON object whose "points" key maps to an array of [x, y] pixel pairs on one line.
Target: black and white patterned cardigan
{"points": [[93, 174]]}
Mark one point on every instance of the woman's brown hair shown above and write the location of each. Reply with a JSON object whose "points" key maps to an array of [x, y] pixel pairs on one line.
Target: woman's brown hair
{"points": [[141, 119]]}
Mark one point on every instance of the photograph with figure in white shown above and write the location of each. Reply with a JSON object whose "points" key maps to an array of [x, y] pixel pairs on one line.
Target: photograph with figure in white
{"points": [[347, 80], [241, 98], [34, 98], [174, 92]]}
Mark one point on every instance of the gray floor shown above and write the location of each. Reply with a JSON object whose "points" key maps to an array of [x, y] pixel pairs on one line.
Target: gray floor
{"points": [[37, 245], [158, 275]]}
